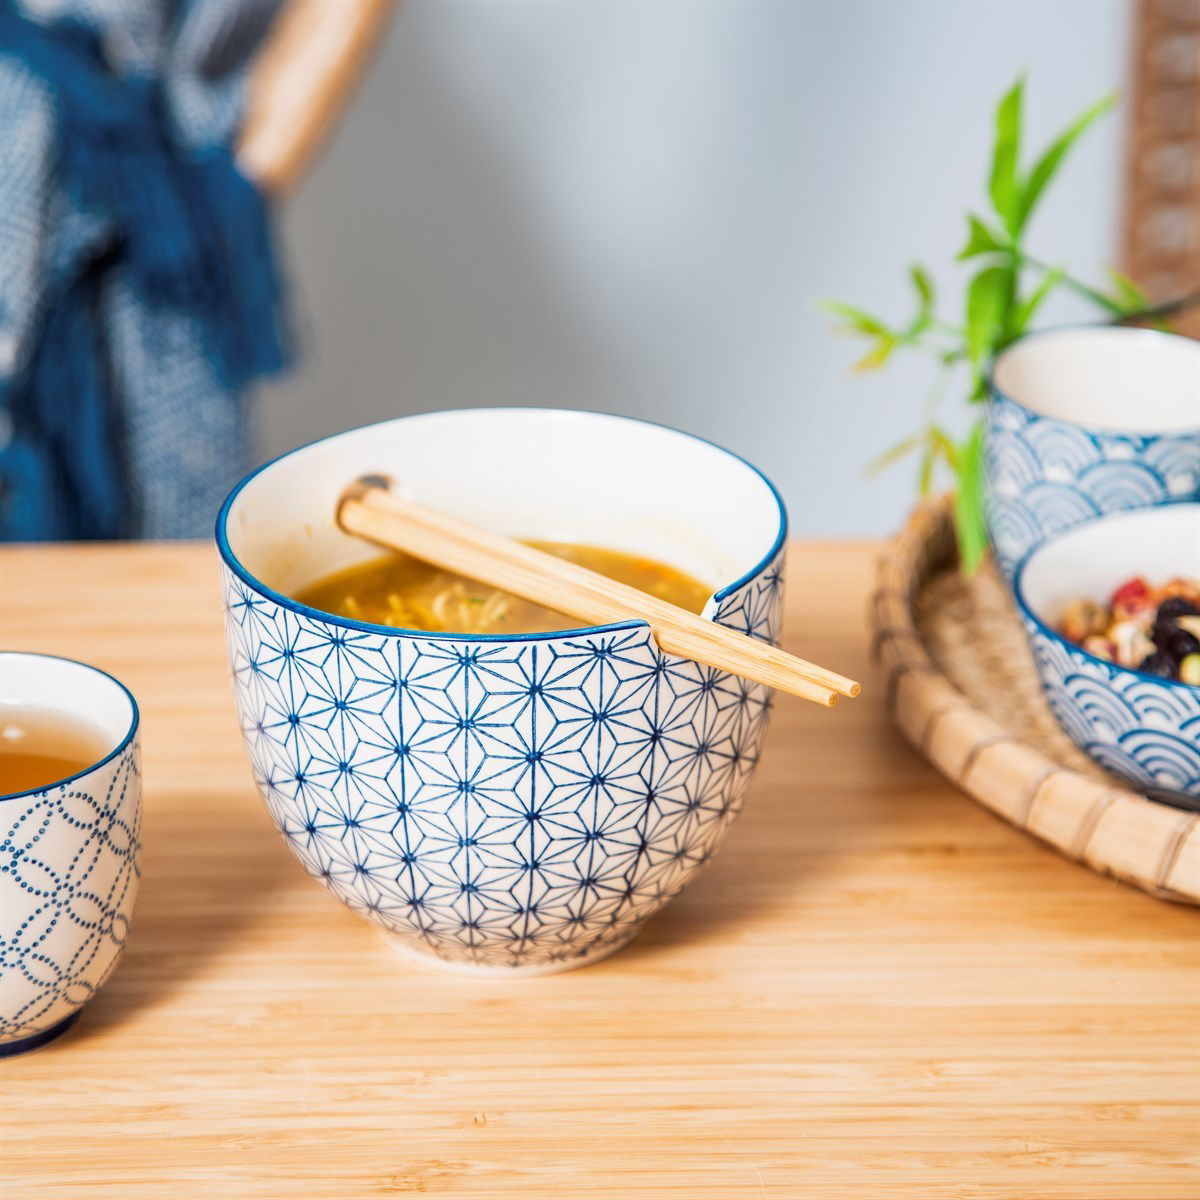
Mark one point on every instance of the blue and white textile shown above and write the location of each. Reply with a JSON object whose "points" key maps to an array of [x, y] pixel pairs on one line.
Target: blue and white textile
{"points": [[138, 290]]}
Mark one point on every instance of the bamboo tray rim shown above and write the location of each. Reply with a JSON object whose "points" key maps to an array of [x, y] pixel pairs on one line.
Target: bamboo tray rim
{"points": [[1109, 828]]}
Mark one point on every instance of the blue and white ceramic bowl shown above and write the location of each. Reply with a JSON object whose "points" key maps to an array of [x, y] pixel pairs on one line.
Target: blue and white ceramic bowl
{"points": [[70, 856], [507, 803], [1084, 422], [1139, 726]]}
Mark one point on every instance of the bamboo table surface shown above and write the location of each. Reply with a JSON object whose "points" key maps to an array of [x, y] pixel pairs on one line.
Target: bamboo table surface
{"points": [[876, 990]]}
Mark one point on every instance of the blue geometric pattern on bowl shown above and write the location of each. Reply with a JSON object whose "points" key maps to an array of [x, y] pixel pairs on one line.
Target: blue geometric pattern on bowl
{"points": [[69, 870], [1046, 476], [1145, 729], [522, 802]]}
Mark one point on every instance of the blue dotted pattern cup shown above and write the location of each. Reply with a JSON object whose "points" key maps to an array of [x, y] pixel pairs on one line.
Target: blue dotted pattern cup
{"points": [[70, 856], [1084, 422], [506, 803], [1138, 726]]}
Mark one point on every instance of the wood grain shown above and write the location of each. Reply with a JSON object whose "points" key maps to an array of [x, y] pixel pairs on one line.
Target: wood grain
{"points": [[1161, 227], [876, 990]]}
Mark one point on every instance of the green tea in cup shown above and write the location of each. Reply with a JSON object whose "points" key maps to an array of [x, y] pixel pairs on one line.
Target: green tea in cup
{"points": [[40, 748]]}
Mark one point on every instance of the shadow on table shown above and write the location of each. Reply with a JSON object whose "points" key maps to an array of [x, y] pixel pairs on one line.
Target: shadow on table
{"points": [[787, 842], [207, 874], [827, 791]]}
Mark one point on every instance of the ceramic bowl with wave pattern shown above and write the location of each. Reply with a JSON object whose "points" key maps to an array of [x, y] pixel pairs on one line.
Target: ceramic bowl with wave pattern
{"points": [[1088, 421], [1139, 726], [507, 803]]}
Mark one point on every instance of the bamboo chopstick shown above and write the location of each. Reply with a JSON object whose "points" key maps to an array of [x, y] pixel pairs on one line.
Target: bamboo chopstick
{"points": [[370, 510]]}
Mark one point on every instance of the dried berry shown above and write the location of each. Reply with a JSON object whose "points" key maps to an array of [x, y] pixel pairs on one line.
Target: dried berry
{"points": [[1188, 589], [1160, 633], [1177, 644], [1082, 619], [1133, 597], [1101, 647], [1158, 664], [1131, 642], [1175, 606], [1149, 628]]}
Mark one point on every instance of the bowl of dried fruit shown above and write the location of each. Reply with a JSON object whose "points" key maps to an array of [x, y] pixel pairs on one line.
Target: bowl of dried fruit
{"points": [[1112, 613]]}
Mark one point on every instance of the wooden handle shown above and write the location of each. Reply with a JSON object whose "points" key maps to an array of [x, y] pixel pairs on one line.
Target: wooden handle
{"points": [[380, 516], [303, 78]]}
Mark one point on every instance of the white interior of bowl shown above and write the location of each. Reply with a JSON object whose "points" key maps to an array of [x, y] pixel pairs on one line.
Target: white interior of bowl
{"points": [[1092, 560], [60, 687], [1118, 379], [578, 477]]}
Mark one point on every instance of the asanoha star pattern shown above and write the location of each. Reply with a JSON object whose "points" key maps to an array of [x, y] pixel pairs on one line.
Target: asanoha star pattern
{"points": [[504, 802]]}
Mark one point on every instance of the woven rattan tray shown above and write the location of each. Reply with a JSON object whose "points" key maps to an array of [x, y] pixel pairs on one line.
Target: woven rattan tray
{"points": [[961, 686]]}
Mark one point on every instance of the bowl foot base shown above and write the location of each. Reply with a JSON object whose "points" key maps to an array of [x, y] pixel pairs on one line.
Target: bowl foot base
{"points": [[36, 1041], [404, 948]]}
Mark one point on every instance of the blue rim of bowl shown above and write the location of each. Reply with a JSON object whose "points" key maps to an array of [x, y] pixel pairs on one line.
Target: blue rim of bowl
{"points": [[122, 745], [234, 564], [1158, 335], [1018, 592]]}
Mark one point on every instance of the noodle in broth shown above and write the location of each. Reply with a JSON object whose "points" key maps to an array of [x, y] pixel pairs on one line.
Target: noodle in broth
{"points": [[406, 593]]}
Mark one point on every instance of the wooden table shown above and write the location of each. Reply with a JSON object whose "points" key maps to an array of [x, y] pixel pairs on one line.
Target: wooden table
{"points": [[876, 990]]}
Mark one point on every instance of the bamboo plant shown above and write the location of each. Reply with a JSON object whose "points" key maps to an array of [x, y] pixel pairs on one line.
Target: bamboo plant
{"points": [[1006, 288]]}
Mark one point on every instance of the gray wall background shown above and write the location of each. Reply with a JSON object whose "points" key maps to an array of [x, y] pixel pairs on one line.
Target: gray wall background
{"points": [[632, 206]]}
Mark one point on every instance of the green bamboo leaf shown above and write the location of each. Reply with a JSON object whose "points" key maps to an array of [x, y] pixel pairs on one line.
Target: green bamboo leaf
{"points": [[1111, 306], [1003, 184], [925, 472], [1024, 311], [1045, 167], [1090, 294], [893, 454], [948, 449], [856, 319], [937, 445], [923, 286], [969, 516], [1126, 292], [878, 354], [981, 239], [995, 310], [987, 303]]}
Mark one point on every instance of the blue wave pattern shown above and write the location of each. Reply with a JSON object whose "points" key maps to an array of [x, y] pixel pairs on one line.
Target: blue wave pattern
{"points": [[1145, 731], [501, 803], [1045, 476], [69, 870]]}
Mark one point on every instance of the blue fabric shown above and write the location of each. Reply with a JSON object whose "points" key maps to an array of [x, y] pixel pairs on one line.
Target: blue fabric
{"points": [[138, 290]]}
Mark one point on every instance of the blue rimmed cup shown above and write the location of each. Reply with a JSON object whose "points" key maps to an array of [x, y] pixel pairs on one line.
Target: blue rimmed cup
{"points": [[1087, 421], [1139, 726], [506, 803], [70, 854]]}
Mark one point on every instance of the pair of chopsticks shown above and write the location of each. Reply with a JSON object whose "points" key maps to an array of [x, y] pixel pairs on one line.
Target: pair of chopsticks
{"points": [[370, 510]]}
